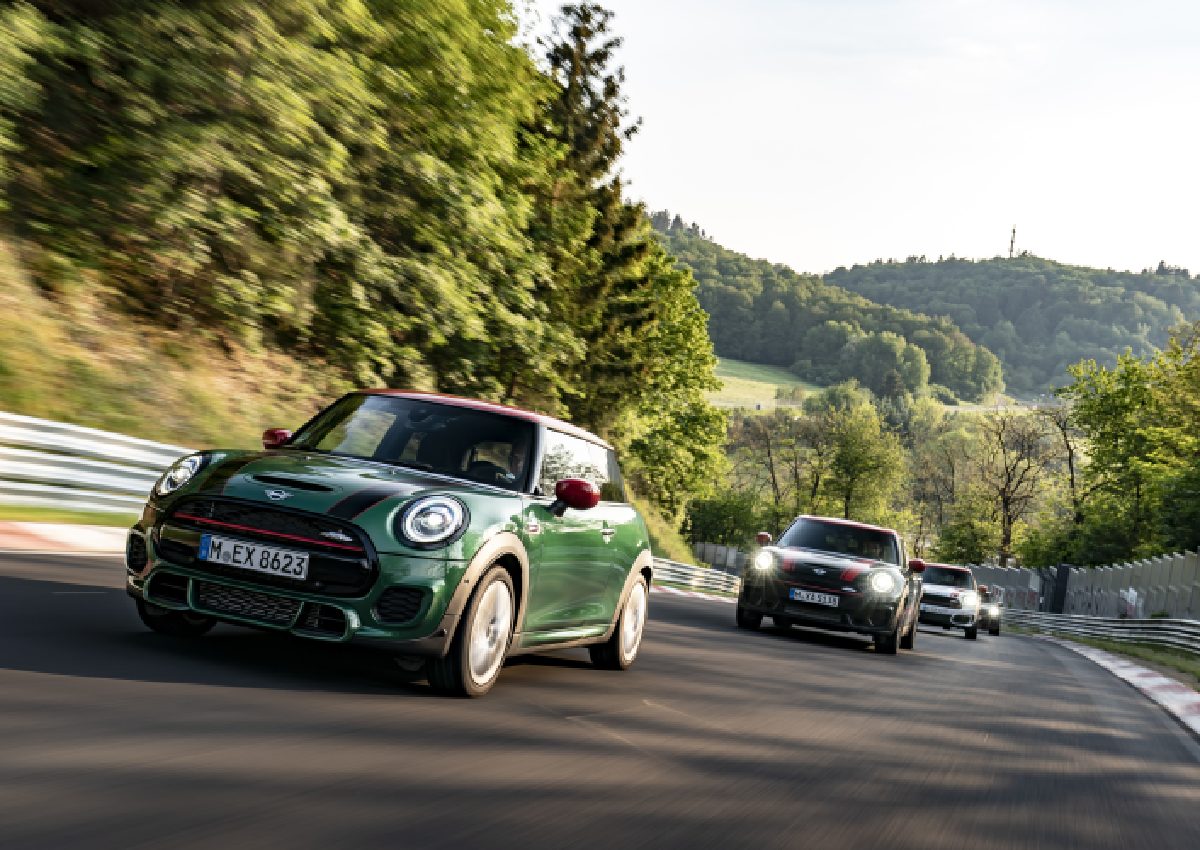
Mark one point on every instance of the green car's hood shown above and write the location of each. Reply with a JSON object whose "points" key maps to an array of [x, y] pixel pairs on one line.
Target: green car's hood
{"points": [[363, 492]]}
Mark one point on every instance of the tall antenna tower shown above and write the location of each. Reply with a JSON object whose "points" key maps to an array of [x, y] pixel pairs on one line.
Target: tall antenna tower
{"points": [[1012, 243]]}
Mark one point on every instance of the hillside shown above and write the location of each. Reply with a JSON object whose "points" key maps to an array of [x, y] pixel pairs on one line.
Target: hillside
{"points": [[755, 386], [1038, 316], [767, 313]]}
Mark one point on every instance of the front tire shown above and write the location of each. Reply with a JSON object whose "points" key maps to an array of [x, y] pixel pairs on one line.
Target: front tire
{"points": [[994, 630], [972, 633], [749, 620], [481, 641], [621, 649], [909, 639], [185, 624], [889, 643]]}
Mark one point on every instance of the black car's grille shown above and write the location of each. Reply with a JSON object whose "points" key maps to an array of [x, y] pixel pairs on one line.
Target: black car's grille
{"points": [[819, 575], [262, 607], [341, 561], [399, 604]]}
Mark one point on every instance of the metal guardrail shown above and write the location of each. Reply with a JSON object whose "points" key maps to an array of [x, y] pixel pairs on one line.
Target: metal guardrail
{"points": [[1183, 635], [56, 465], [696, 578]]}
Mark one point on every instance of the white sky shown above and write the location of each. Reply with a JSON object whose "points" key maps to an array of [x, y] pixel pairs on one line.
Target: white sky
{"points": [[821, 133]]}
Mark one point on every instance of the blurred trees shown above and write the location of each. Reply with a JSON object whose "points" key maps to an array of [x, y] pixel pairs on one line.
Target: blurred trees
{"points": [[394, 188]]}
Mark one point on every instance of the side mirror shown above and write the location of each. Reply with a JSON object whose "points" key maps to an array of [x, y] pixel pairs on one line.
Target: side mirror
{"points": [[763, 538], [983, 589], [916, 565], [576, 493], [273, 438]]}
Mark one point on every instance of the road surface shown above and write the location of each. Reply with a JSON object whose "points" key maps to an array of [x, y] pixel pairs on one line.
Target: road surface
{"points": [[111, 736]]}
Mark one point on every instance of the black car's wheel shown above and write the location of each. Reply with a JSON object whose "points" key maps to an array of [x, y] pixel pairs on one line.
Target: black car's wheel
{"points": [[888, 644], [173, 623], [747, 619], [620, 650], [994, 630], [972, 632], [481, 642], [909, 639], [781, 622]]}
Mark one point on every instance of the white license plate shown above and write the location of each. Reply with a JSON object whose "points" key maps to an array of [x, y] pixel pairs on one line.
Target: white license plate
{"points": [[938, 609], [815, 598], [254, 556]]}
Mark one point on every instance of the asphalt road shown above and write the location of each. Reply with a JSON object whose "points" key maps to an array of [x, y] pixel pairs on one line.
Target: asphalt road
{"points": [[111, 736]]}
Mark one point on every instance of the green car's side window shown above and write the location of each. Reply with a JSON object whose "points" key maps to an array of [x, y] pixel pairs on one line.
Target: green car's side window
{"points": [[570, 457]]}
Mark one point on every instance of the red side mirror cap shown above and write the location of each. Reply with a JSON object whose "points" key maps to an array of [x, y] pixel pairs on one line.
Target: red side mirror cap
{"points": [[916, 565], [763, 538], [983, 588], [273, 438], [577, 493]]}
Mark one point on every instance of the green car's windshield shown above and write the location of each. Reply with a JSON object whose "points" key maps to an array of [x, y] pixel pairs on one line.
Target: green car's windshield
{"points": [[948, 577], [445, 439], [842, 539]]}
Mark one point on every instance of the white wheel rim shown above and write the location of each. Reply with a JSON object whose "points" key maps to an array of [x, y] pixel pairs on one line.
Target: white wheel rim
{"points": [[489, 632], [633, 621]]}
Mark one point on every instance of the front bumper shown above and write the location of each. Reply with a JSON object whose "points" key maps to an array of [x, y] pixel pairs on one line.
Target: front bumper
{"points": [[856, 611], [958, 619], [315, 616]]}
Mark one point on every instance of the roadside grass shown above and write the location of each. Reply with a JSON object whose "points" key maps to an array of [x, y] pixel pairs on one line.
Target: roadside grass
{"points": [[753, 385], [20, 513], [1156, 657]]}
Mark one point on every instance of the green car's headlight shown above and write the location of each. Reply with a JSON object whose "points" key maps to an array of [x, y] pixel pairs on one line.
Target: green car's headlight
{"points": [[433, 521], [180, 473], [882, 582]]}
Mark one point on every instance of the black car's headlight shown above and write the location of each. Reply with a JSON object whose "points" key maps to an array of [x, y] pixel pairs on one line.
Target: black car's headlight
{"points": [[883, 582], [180, 473], [433, 521]]}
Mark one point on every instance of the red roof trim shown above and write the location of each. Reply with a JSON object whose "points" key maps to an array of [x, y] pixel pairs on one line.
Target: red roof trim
{"points": [[495, 407]]}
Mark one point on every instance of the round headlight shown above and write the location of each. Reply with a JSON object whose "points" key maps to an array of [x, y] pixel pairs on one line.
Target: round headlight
{"points": [[180, 473], [883, 582], [993, 610], [433, 520], [764, 560]]}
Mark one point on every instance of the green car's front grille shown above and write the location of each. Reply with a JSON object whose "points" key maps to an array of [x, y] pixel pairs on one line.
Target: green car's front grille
{"points": [[248, 604]]}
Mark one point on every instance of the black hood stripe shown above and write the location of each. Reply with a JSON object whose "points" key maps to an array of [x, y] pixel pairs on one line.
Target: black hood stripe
{"points": [[222, 472], [357, 503]]}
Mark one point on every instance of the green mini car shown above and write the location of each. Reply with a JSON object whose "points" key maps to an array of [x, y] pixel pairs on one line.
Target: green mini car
{"points": [[442, 529]]}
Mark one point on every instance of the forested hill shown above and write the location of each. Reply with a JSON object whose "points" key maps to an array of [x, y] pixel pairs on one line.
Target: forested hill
{"points": [[768, 313], [1037, 315]]}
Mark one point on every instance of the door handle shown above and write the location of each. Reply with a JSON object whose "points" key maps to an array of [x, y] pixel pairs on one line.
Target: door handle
{"points": [[607, 534]]}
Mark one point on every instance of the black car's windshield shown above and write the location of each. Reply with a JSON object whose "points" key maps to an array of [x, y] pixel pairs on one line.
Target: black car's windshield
{"points": [[947, 577], [842, 539], [446, 439]]}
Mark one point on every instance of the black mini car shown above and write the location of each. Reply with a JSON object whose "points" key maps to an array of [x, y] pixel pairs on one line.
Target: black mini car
{"points": [[989, 610], [835, 574]]}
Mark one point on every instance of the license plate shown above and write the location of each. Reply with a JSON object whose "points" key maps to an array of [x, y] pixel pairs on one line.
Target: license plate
{"points": [[815, 598], [254, 556], [938, 609]]}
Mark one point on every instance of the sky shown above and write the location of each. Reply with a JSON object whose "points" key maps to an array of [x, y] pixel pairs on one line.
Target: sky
{"points": [[823, 133]]}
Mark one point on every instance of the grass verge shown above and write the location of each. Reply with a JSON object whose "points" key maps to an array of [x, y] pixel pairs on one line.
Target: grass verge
{"points": [[19, 513], [1184, 666]]}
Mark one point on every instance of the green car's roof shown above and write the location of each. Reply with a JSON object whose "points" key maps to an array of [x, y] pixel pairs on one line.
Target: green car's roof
{"points": [[494, 407]]}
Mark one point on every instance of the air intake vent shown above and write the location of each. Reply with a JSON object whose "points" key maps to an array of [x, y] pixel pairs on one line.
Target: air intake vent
{"points": [[263, 607], [168, 588], [136, 556], [399, 604]]}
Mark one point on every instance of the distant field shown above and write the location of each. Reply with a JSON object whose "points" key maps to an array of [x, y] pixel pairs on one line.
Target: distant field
{"points": [[752, 384]]}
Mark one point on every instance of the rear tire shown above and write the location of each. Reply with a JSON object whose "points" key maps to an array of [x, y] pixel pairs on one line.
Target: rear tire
{"points": [[184, 624], [621, 649], [481, 641], [749, 620], [909, 639], [972, 633], [888, 644]]}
